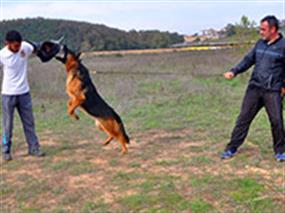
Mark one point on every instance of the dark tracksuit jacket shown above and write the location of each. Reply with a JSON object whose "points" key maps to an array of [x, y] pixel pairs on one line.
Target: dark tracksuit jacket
{"points": [[264, 90]]}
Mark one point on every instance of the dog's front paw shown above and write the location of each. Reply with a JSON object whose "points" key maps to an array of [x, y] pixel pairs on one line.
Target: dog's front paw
{"points": [[124, 152], [73, 115], [76, 117]]}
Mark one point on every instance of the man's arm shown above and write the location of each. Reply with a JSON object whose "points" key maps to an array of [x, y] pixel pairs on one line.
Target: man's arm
{"points": [[244, 65], [1, 63], [35, 46], [283, 88], [29, 47]]}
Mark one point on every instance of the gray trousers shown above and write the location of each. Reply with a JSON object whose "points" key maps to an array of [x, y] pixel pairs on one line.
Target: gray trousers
{"points": [[23, 104]]}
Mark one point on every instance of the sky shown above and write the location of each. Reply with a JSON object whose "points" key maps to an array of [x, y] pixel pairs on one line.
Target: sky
{"points": [[182, 16]]}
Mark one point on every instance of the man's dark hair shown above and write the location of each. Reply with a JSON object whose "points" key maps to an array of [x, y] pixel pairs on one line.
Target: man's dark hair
{"points": [[272, 21], [12, 36]]}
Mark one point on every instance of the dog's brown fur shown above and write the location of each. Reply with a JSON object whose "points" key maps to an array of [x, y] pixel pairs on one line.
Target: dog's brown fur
{"points": [[76, 90]]}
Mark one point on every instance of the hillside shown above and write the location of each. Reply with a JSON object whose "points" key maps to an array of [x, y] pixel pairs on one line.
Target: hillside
{"points": [[87, 36]]}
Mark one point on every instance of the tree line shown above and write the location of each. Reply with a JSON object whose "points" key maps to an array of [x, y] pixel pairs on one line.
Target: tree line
{"points": [[86, 36]]}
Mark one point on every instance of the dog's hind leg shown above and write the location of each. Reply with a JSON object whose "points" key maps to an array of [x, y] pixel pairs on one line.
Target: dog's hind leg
{"points": [[112, 128], [102, 128], [118, 134], [115, 130], [123, 142], [97, 123]]}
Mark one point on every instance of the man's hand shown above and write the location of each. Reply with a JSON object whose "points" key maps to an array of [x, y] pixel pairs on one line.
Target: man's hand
{"points": [[229, 75], [283, 91]]}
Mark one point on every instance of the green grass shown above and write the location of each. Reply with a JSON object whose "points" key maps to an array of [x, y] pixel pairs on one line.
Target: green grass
{"points": [[199, 205], [246, 190], [95, 207], [61, 165], [168, 162], [198, 181], [166, 199], [73, 167], [181, 118], [159, 191], [32, 189]]}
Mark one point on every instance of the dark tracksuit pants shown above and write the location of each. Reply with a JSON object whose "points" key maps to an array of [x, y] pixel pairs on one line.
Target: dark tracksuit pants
{"points": [[23, 104], [254, 99]]}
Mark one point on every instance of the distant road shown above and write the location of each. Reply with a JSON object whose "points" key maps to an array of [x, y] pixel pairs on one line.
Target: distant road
{"points": [[175, 48]]}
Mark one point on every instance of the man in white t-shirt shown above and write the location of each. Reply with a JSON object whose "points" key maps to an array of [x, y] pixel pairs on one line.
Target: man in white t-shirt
{"points": [[15, 93]]}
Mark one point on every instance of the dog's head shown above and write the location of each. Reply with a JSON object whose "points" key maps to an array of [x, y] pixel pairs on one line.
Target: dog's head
{"points": [[68, 57], [66, 54]]}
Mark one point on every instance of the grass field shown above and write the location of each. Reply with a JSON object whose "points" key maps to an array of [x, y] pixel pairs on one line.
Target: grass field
{"points": [[179, 112]]}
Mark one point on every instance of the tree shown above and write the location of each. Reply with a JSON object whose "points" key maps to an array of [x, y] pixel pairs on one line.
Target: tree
{"points": [[244, 22], [87, 36], [230, 30]]}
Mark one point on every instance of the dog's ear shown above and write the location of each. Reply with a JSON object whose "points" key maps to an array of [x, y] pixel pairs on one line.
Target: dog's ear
{"points": [[78, 55], [62, 60], [65, 49]]}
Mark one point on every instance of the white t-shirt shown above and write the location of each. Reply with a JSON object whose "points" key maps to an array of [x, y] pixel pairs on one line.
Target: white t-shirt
{"points": [[15, 76]]}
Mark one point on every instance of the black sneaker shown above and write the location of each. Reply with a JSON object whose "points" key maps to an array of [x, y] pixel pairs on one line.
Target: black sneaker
{"points": [[36, 152], [7, 157]]}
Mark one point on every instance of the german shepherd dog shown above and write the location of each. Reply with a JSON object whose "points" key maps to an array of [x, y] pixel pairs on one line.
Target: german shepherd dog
{"points": [[83, 94]]}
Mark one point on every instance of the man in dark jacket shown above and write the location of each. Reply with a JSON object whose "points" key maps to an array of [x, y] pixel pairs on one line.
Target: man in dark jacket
{"points": [[264, 89]]}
